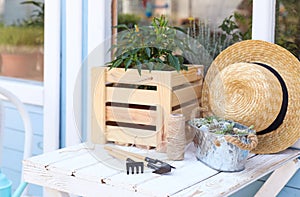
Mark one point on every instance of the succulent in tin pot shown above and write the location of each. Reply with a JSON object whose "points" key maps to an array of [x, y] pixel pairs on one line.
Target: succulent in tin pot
{"points": [[222, 144], [221, 126]]}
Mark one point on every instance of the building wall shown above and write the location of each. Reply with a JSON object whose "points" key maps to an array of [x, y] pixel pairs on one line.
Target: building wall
{"points": [[13, 142]]}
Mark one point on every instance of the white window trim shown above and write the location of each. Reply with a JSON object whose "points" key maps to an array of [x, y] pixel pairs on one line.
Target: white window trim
{"points": [[263, 20], [51, 75], [27, 92], [97, 33], [73, 68]]}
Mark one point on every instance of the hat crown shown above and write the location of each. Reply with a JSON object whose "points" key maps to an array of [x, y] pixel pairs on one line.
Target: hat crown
{"points": [[246, 93]]}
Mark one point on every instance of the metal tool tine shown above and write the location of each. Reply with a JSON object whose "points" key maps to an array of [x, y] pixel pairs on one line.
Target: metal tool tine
{"points": [[132, 166]]}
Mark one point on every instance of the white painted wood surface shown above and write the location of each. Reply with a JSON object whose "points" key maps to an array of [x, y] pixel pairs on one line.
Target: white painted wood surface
{"points": [[89, 171], [263, 20], [73, 71], [51, 75], [273, 186]]}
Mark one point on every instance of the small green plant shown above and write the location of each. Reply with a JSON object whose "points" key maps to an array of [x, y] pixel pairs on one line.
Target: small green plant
{"points": [[230, 29], [212, 41], [27, 35], [158, 47], [129, 20], [220, 126], [15, 38], [287, 29], [209, 42], [20, 36]]}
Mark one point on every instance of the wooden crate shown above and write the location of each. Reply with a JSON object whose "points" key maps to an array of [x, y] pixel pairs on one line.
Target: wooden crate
{"points": [[124, 111]]}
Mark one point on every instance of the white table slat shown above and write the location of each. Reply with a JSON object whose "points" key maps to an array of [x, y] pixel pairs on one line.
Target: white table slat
{"points": [[97, 172], [224, 184], [70, 165], [72, 184], [178, 180], [58, 155]]}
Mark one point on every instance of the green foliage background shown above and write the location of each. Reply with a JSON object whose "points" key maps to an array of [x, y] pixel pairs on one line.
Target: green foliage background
{"points": [[288, 26]]}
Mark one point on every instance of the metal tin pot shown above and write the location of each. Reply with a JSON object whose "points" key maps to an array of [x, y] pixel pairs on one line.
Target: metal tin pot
{"points": [[217, 152]]}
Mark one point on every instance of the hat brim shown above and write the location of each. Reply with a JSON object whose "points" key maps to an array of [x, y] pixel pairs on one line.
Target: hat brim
{"points": [[287, 66]]}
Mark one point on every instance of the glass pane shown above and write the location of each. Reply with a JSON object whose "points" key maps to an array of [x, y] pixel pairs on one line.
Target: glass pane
{"points": [[215, 24], [21, 39], [288, 25]]}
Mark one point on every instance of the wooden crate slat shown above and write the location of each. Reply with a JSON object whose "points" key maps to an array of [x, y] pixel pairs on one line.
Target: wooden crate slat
{"points": [[126, 95], [183, 95], [131, 135], [164, 109], [160, 128], [131, 115], [194, 73], [189, 111], [98, 105], [131, 76]]}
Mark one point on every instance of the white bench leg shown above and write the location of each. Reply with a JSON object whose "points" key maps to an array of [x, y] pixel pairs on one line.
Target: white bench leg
{"points": [[278, 179]]}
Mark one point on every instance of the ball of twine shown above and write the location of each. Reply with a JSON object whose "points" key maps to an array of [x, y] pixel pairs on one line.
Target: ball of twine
{"points": [[176, 139]]}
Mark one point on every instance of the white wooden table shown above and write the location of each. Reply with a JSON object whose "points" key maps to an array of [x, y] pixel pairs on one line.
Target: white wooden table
{"points": [[89, 171]]}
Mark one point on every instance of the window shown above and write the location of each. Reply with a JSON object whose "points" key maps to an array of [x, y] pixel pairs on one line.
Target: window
{"points": [[214, 24], [287, 33], [22, 38]]}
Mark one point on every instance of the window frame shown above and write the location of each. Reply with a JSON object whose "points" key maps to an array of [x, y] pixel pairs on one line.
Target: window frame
{"points": [[263, 20]]}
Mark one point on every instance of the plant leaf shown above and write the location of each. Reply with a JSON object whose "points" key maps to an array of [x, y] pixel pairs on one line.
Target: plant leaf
{"points": [[139, 67], [127, 63], [121, 26], [148, 51], [117, 63], [173, 61], [150, 66]]}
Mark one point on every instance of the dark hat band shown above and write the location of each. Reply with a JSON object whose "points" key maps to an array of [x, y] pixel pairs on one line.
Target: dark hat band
{"points": [[285, 97]]}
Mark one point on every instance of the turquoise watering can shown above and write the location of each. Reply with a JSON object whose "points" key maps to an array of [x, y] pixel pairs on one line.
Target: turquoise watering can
{"points": [[5, 187]]}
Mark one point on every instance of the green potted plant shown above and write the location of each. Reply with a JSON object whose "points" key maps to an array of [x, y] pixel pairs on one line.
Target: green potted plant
{"points": [[21, 45], [158, 47], [147, 76], [20, 48]]}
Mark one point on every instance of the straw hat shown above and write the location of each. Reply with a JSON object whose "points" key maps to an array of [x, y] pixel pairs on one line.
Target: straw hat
{"points": [[257, 83]]}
